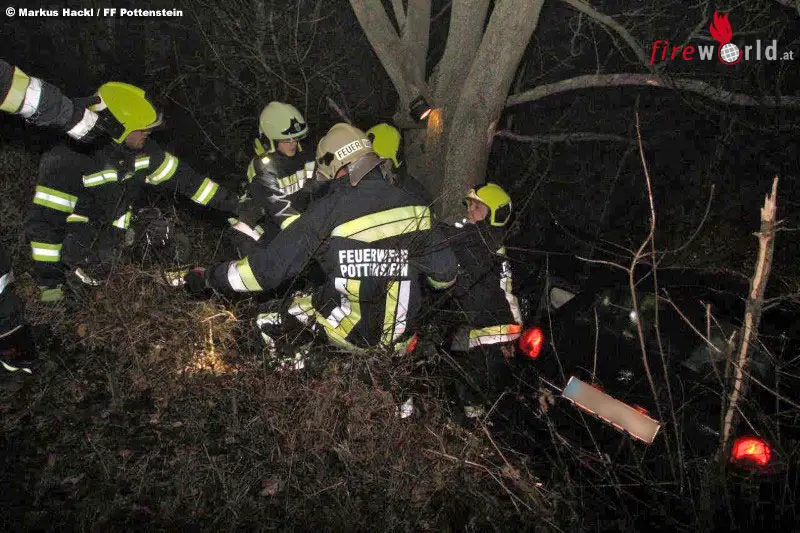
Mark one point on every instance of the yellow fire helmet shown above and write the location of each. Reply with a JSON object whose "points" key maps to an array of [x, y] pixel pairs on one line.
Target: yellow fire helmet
{"points": [[385, 141], [280, 122], [129, 105], [496, 199]]}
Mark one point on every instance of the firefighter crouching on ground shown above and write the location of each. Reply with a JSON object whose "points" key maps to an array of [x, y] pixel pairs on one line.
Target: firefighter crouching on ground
{"points": [[374, 242], [386, 140], [42, 104], [280, 176], [483, 295], [82, 203]]}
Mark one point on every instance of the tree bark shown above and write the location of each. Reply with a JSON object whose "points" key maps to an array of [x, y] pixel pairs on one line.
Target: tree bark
{"points": [[483, 98], [425, 149], [753, 309]]}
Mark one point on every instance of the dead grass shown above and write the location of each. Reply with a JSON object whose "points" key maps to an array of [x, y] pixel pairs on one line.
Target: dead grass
{"points": [[152, 409]]}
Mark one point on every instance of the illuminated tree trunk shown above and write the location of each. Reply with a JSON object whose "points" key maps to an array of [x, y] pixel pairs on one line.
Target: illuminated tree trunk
{"points": [[468, 88]]}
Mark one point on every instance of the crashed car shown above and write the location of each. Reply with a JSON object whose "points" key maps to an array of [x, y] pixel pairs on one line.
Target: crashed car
{"points": [[626, 368]]}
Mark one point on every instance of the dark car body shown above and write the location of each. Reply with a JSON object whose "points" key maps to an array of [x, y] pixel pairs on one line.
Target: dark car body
{"points": [[666, 355]]}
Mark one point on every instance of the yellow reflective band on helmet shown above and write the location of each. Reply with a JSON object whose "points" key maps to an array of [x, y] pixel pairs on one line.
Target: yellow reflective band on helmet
{"points": [[46, 252], [440, 284], [77, 218], [16, 95], [205, 192], [123, 222], [99, 178], [494, 334], [386, 224], [54, 199], [287, 221], [165, 170], [246, 276]]}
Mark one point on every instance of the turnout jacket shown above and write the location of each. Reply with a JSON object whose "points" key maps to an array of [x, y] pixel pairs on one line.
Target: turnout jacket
{"points": [[374, 242], [101, 188], [41, 103], [483, 290], [283, 186]]}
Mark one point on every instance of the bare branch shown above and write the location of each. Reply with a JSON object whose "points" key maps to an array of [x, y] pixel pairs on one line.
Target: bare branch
{"points": [[794, 4], [754, 307], [613, 25], [682, 84], [578, 136], [387, 45]]}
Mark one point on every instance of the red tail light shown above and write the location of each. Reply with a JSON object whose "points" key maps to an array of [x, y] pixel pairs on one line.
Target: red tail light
{"points": [[751, 450], [531, 342]]}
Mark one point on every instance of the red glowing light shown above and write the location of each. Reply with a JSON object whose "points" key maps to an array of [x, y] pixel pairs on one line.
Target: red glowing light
{"points": [[751, 449], [531, 342]]}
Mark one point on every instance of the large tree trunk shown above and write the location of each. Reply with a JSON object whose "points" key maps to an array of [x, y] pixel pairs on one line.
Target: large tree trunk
{"points": [[468, 89]]}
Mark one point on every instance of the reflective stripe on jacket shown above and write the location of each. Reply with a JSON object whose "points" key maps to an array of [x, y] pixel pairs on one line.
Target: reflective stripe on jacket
{"points": [[375, 244]]}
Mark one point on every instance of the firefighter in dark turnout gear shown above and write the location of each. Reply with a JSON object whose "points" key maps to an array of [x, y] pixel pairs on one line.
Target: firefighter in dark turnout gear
{"points": [[99, 189], [483, 294], [385, 140], [374, 242], [280, 176], [43, 104]]}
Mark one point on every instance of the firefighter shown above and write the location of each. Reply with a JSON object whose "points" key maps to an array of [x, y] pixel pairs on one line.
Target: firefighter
{"points": [[483, 295], [82, 203], [373, 241], [280, 176], [386, 143], [43, 104]]}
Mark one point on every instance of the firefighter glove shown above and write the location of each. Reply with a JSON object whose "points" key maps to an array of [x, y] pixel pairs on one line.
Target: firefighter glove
{"points": [[196, 282]]}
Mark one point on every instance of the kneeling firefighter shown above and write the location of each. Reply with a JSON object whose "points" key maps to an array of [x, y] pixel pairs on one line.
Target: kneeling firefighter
{"points": [[42, 104], [492, 321], [374, 243], [83, 202], [279, 178]]}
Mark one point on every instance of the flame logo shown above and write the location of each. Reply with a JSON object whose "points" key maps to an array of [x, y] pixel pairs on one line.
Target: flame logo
{"points": [[721, 29]]}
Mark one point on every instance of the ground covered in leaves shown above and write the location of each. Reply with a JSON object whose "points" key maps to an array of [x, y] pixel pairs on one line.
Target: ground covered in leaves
{"points": [[154, 411]]}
